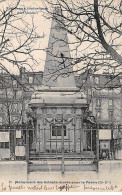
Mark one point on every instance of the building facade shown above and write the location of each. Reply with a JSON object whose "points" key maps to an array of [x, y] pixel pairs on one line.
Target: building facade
{"points": [[104, 96], [15, 95]]}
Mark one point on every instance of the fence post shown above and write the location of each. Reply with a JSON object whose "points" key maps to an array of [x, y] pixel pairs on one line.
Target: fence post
{"points": [[97, 145], [62, 146], [10, 142], [27, 149], [14, 130]]}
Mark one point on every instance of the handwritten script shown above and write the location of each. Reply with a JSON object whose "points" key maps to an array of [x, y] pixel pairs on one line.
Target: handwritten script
{"points": [[56, 186]]}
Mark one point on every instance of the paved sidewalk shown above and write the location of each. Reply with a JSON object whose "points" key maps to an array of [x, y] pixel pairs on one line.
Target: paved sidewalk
{"points": [[109, 174], [17, 170], [13, 170]]}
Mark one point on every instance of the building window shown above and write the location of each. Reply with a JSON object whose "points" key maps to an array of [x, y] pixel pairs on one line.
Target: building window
{"points": [[91, 78], [15, 107], [26, 103], [96, 80], [98, 102], [1, 92], [57, 130], [84, 81], [14, 83], [15, 119], [98, 114], [31, 79], [110, 102], [120, 80], [4, 144], [1, 108], [110, 115], [0, 120], [8, 93], [17, 95]]}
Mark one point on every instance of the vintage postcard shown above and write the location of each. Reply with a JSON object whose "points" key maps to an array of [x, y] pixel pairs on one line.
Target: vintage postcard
{"points": [[60, 96]]}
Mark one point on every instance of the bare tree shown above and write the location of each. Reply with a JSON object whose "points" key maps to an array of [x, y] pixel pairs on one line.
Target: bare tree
{"points": [[94, 30], [11, 101], [18, 37], [19, 43]]}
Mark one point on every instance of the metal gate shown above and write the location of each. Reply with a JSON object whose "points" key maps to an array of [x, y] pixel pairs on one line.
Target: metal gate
{"points": [[61, 149]]}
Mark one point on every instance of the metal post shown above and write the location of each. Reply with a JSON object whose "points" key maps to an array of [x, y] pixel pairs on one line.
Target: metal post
{"points": [[81, 135], [80, 142], [10, 141], [39, 140], [112, 141], [27, 149], [74, 140], [97, 145], [44, 143], [50, 141], [33, 135], [14, 141], [69, 141], [91, 139], [62, 146]]}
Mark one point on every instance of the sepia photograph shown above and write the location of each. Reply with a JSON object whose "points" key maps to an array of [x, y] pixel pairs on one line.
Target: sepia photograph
{"points": [[60, 96]]}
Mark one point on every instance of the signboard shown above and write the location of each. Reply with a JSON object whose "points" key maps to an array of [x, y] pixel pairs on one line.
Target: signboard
{"points": [[4, 136], [104, 145], [20, 151], [4, 153], [104, 134], [18, 133]]}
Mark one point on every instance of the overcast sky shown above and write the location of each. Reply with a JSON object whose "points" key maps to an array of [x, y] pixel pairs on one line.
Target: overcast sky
{"points": [[43, 28]]}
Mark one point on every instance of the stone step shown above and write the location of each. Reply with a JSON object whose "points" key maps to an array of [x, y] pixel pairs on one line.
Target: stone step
{"points": [[58, 167]]}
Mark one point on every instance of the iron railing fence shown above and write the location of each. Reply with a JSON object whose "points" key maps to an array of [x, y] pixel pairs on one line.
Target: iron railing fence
{"points": [[17, 144], [69, 143], [13, 144]]}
